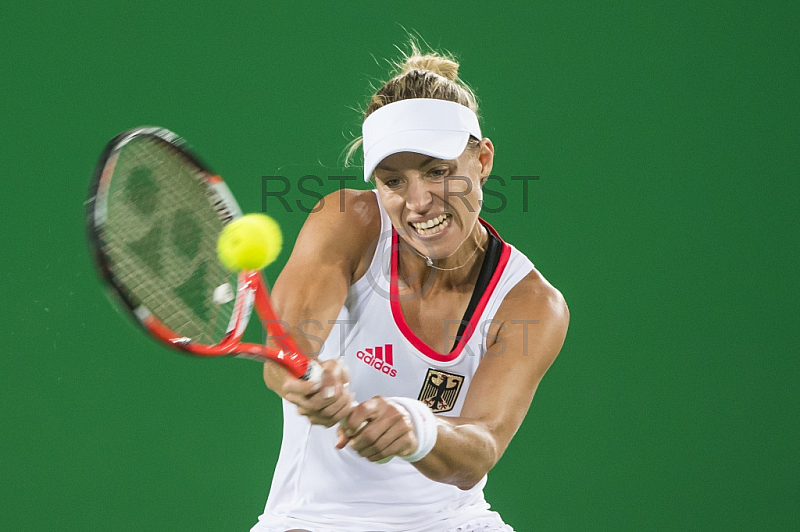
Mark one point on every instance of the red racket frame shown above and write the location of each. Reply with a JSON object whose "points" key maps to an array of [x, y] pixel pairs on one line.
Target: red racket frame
{"points": [[289, 355], [251, 290]]}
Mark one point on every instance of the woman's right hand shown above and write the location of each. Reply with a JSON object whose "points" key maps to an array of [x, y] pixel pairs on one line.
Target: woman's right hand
{"points": [[325, 402]]}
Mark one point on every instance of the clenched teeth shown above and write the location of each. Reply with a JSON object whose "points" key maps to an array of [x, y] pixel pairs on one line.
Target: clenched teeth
{"points": [[433, 225]]}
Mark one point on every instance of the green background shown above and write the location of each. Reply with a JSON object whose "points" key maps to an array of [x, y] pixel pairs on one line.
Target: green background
{"points": [[665, 135]]}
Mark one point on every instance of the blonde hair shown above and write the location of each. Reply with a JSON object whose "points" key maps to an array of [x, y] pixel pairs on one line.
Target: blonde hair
{"points": [[420, 75]]}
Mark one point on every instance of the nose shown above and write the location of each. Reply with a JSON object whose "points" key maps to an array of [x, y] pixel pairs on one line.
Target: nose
{"points": [[419, 198]]}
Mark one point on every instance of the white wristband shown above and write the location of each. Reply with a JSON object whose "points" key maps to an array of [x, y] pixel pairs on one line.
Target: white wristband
{"points": [[425, 426]]}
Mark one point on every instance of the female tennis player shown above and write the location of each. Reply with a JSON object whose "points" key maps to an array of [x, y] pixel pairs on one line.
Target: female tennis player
{"points": [[433, 332]]}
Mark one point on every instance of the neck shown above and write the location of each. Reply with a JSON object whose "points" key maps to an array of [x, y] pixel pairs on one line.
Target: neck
{"points": [[458, 269]]}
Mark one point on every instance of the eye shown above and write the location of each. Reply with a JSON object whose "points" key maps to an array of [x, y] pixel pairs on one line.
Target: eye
{"points": [[439, 172], [392, 182]]}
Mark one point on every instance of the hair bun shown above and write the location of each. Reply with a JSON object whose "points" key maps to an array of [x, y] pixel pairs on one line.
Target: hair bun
{"points": [[419, 74], [447, 68]]}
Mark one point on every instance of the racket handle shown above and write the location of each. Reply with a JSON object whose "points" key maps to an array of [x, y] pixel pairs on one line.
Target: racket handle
{"points": [[313, 371]]}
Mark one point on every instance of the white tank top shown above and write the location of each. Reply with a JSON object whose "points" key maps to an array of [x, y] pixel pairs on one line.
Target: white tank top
{"points": [[319, 487]]}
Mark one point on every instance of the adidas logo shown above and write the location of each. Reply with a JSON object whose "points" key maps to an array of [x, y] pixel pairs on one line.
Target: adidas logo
{"points": [[379, 358]]}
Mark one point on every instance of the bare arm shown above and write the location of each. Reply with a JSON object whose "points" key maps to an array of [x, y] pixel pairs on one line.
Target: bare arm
{"points": [[502, 389], [499, 397], [311, 289]]}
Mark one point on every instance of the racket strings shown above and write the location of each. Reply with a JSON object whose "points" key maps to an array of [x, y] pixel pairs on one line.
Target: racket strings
{"points": [[165, 249], [185, 243], [161, 235]]}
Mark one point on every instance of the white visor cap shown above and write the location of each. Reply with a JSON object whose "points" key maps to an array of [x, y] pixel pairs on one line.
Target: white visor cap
{"points": [[437, 128]]}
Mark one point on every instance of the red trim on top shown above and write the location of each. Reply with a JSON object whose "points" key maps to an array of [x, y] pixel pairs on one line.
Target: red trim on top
{"points": [[472, 325]]}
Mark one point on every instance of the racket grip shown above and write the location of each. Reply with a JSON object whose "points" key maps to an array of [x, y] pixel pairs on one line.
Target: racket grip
{"points": [[313, 371]]}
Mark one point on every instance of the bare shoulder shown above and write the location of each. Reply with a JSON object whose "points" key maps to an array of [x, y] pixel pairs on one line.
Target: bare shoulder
{"points": [[534, 296], [349, 211], [356, 207], [535, 317], [328, 253], [525, 338], [340, 229]]}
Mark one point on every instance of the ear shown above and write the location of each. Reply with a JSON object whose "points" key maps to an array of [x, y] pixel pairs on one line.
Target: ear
{"points": [[486, 159]]}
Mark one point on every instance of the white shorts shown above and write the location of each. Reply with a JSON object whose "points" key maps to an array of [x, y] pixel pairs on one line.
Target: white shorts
{"points": [[483, 524]]}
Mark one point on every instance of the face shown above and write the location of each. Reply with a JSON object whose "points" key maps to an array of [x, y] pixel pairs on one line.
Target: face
{"points": [[434, 203]]}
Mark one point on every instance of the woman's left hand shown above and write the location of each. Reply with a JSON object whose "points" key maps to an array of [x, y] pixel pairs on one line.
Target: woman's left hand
{"points": [[378, 428]]}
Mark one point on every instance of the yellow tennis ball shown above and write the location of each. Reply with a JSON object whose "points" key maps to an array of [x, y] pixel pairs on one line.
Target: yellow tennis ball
{"points": [[251, 242]]}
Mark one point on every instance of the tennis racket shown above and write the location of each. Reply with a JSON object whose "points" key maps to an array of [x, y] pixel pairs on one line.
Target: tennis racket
{"points": [[154, 214]]}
